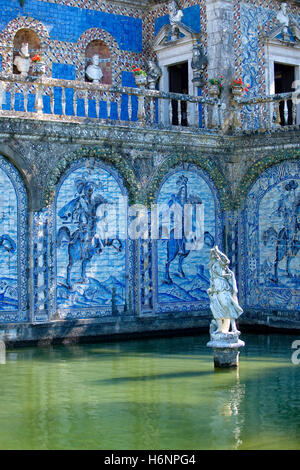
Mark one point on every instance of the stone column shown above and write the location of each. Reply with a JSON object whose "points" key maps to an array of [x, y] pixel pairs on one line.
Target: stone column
{"points": [[220, 46]]}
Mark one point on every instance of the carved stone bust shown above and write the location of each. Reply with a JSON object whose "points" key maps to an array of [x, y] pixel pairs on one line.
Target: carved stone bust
{"points": [[93, 71], [22, 61]]}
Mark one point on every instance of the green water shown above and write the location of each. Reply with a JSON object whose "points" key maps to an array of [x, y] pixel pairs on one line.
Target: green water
{"points": [[150, 394]]}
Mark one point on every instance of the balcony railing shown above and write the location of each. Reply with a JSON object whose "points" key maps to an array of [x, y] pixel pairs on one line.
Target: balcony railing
{"points": [[47, 98], [75, 101], [266, 112]]}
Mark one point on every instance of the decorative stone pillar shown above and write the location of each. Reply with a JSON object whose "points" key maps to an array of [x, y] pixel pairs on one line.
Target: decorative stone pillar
{"points": [[225, 348], [220, 46]]}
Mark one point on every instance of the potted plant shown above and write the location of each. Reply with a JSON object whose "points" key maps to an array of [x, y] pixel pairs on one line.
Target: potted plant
{"points": [[216, 86], [238, 87], [38, 67], [140, 76]]}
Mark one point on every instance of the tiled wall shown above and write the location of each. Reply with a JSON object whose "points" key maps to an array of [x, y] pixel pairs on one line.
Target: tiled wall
{"points": [[13, 245], [182, 267], [90, 261], [254, 19], [271, 274]]}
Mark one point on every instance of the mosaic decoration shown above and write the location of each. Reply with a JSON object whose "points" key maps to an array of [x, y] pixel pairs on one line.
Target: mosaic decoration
{"points": [[13, 245], [182, 274], [90, 263], [271, 218], [252, 20]]}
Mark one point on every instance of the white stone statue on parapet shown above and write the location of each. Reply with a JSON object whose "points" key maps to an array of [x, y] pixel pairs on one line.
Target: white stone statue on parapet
{"points": [[93, 71], [223, 293], [22, 61], [175, 14], [282, 15]]}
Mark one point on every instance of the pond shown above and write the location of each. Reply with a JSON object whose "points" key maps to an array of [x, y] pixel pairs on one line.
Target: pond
{"points": [[160, 393]]}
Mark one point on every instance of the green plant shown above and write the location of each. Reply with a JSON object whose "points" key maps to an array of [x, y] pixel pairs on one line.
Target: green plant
{"points": [[22, 2], [217, 81], [137, 71]]}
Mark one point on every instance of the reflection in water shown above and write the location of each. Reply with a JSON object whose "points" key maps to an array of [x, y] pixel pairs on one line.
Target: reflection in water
{"points": [[150, 394], [2, 352], [227, 421]]}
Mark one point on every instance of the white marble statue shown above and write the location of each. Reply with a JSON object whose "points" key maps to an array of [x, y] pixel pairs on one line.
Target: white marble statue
{"points": [[175, 14], [22, 61], [282, 15], [93, 71], [223, 292]]}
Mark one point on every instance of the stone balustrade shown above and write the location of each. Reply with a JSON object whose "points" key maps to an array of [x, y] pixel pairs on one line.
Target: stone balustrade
{"points": [[265, 112], [70, 100], [55, 99]]}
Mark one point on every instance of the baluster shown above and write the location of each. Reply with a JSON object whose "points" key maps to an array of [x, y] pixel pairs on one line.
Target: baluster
{"points": [[206, 115], [276, 114], [161, 111], [179, 116], [25, 95], [286, 113], [170, 112], [189, 113], [108, 105], [221, 116], [197, 114], [215, 122], [152, 106], [141, 109], [119, 103], [63, 101], [129, 107], [98, 105], [269, 114], [39, 98], [51, 94], [86, 103], [294, 112], [74, 102]]}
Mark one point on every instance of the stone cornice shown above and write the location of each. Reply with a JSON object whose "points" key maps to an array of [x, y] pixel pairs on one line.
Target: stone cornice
{"points": [[88, 132]]}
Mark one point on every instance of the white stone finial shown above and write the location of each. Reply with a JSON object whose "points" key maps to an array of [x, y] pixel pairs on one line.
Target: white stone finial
{"points": [[93, 71]]}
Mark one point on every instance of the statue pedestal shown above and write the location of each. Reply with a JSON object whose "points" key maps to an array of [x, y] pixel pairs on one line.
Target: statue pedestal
{"points": [[226, 348]]}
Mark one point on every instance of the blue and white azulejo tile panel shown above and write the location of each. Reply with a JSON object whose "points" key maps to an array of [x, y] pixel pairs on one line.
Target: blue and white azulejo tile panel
{"points": [[272, 239], [182, 276], [13, 245], [91, 240]]}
